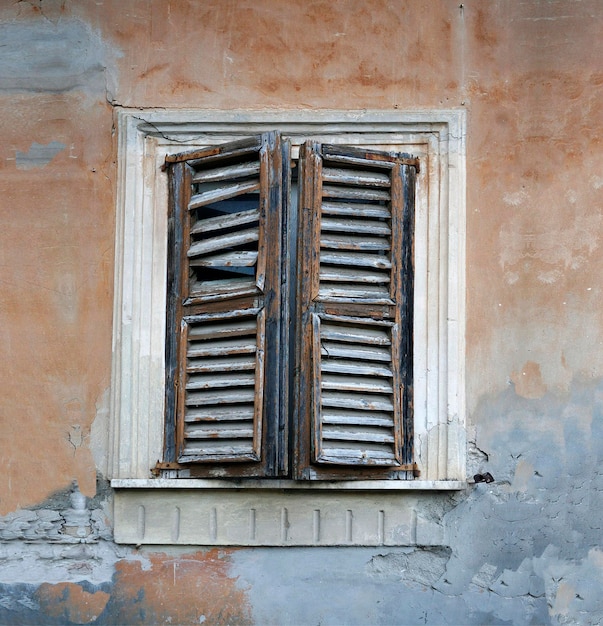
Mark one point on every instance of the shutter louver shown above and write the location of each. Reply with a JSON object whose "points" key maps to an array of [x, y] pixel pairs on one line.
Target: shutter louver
{"points": [[224, 212], [357, 384], [223, 386], [227, 413], [356, 311]]}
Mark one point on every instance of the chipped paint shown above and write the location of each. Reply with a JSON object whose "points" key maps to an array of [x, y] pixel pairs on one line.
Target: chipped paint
{"points": [[70, 602]]}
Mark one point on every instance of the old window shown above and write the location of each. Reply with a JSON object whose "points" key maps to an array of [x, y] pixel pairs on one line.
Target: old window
{"points": [[202, 503], [233, 362]]}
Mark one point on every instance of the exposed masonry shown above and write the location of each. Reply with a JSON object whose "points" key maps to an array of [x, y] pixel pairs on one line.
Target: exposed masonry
{"points": [[65, 518]]}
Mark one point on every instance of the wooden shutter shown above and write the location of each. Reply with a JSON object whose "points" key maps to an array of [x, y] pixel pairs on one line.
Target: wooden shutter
{"points": [[224, 386], [355, 310]]}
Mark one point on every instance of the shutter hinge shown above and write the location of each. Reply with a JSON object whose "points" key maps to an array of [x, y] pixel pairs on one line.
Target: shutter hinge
{"points": [[412, 161], [161, 466]]}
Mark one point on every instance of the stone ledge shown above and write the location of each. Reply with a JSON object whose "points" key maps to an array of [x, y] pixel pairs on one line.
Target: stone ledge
{"points": [[272, 517], [281, 484]]}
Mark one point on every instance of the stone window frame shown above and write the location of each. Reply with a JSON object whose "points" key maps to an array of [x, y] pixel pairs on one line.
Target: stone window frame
{"points": [[145, 137]]}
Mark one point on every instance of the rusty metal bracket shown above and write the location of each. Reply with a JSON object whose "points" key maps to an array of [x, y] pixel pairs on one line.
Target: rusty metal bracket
{"points": [[413, 162], [161, 466]]}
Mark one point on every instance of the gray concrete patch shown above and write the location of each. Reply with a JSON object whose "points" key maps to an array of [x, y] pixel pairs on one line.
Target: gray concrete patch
{"points": [[43, 57], [38, 155]]}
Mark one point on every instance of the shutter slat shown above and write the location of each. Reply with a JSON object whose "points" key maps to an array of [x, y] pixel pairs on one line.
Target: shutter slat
{"points": [[357, 352], [370, 227], [354, 193], [335, 434], [242, 148], [236, 413], [355, 259], [344, 275], [351, 242], [226, 240], [230, 432], [219, 450], [352, 401], [355, 177], [230, 328], [348, 417], [355, 209], [230, 172], [362, 293], [362, 384], [229, 396], [231, 364], [370, 454], [343, 366], [224, 192], [221, 222], [215, 381], [222, 347], [237, 258], [355, 334], [227, 287]]}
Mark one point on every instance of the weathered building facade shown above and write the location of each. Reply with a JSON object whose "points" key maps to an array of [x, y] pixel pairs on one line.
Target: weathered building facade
{"points": [[501, 101]]}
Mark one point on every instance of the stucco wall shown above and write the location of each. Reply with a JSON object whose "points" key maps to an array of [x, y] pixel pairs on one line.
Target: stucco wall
{"points": [[524, 549]]}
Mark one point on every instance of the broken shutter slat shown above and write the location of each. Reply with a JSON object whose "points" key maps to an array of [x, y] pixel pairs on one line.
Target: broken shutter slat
{"points": [[227, 259], [216, 153], [222, 242], [231, 172], [225, 221], [223, 193]]}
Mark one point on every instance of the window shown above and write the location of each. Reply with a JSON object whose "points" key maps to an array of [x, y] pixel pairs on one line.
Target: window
{"points": [[230, 366], [278, 510]]}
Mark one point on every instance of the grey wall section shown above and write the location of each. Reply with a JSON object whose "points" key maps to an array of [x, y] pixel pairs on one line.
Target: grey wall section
{"points": [[366, 587], [47, 57], [523, 550]]}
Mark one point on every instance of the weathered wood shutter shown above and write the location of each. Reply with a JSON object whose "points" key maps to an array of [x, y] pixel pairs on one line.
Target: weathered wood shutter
{"points": [[224, 408], [354, 418]]}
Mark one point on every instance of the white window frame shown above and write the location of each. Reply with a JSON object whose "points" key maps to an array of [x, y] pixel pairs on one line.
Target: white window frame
{"points": [[138, 380]]}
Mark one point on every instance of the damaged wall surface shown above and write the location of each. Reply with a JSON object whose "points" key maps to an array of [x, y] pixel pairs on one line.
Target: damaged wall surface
{"points": [[525, 549]]}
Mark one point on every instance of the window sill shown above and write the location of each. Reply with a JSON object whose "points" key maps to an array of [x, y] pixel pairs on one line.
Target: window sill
{"points": [[277, 512], [284, 484]]}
